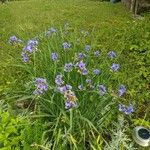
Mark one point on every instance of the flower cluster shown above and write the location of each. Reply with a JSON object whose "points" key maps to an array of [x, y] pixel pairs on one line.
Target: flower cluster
{"points": [[66, 89], [70, 98], [121, 90], [79, 64], [81, 68], [59, 81], [28, 49], [87, 47], [80, 56], [54, 56], [111, 54], [25, 57], [50, 31], [102, 90], [127, 110], [31, 45], [66, 45], [68, 67], [41, 86], [13, 39], [96, 71], [114, 67]]}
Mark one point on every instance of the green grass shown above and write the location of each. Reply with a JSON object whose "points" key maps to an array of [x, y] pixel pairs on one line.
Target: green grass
{"points": [[110, 27]]}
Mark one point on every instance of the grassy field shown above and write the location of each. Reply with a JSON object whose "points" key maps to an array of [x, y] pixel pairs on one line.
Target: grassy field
{"points": [[103, 26]]}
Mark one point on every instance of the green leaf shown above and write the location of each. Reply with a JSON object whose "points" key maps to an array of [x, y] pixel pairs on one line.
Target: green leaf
{"points": [[11, 129], [5, 117], [2, 137]]}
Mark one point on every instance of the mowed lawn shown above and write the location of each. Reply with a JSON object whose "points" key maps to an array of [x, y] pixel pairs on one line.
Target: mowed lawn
{"points": [[26, 19]]}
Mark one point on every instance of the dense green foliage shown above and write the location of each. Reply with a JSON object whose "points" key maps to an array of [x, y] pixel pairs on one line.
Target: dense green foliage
{"points": [[18, 132]]}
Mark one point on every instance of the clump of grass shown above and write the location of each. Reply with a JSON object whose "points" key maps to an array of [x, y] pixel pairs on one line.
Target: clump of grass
{"points": [[74, 87]]}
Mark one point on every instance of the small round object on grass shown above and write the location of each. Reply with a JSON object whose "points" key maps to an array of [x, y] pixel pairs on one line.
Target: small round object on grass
{"points": [[141, 135]]}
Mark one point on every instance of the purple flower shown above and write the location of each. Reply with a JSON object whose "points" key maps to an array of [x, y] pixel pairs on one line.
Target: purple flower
{"points": [[114, 67], [129, 109], [96, 53], [67, 105], [70, 96], [80, 87], [82, 68], [54, 56], [65, 88], [62, 89], [39, 80], [81, 56], [121, 90], [50, 31], [24, 57], [96, 71], [28, 48], [70, 99], [68, 87], [122, 108], [37, 92], [81, 65], [87, 47], [41, 86], [32, 42], [13, 39], [70, 104], [111, 54], [102, 90], [68, 67], [66, 45], [84, 72], [58, 80], [89, 81]]}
